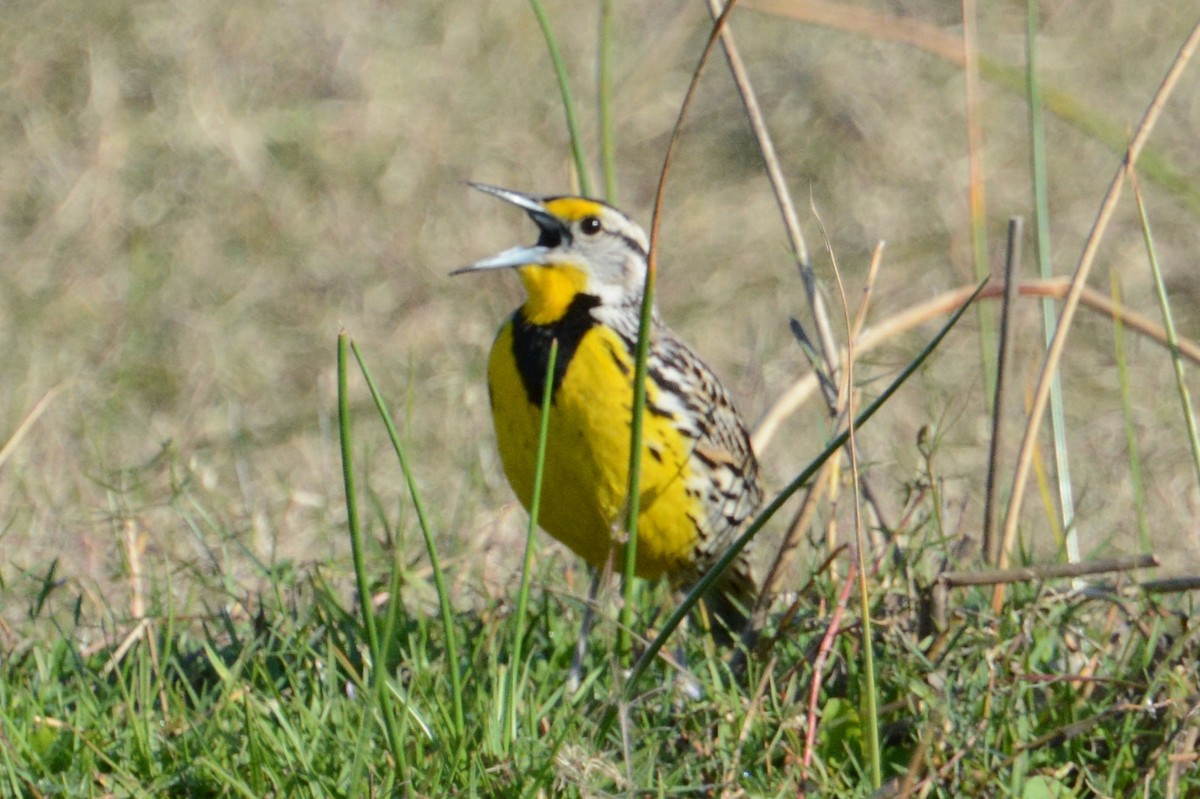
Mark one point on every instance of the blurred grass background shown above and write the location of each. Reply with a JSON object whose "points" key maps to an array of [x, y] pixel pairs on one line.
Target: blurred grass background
{"points": [[194, 198]]}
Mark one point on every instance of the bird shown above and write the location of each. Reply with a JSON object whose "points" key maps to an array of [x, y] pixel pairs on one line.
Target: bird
{"points": [[584, 282]]}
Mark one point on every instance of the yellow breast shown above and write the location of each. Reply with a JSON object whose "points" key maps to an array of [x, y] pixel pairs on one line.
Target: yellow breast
{"points": [[587, 455]]}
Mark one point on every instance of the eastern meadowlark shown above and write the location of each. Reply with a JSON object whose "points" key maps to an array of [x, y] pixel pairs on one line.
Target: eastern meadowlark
{"points": [[583, 282]]}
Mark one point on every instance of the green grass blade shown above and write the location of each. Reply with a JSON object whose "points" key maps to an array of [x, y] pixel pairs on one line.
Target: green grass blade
{"points": [[633, 492], [378, 665], [870, 686], [1041, 204], [1164, 304], [516, 659], [439, 577], [1135, 462], [568, 101]]}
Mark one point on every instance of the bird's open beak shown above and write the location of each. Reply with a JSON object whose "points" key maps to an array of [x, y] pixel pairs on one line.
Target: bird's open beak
{"points": [[549, 226]]}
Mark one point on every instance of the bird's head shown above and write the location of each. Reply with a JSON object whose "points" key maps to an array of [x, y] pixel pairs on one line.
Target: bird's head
{"points": [[584, 247]]}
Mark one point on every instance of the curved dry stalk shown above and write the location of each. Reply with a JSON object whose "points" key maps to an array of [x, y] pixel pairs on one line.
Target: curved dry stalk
{"points": [[27, 423], [876, 24], [791, 400]]}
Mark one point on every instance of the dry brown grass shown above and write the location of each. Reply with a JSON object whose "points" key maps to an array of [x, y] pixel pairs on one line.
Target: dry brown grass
{"points": [[196, 198]]}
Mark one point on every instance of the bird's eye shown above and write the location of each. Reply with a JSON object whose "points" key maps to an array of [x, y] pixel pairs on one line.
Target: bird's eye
{"points": [[590, 225]]}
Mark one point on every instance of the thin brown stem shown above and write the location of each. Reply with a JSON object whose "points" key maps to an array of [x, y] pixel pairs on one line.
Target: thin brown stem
{"points": [[1011, 261], [946, 303]]}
